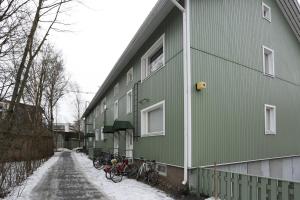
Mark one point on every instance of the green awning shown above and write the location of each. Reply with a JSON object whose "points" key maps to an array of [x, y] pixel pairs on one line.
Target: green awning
{"points": [[118, 126], [122, 126], [108, 129], [90, 135]]}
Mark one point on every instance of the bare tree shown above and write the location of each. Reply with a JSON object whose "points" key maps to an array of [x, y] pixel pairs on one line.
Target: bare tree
{"points": [[45, 11], [78, 105]]}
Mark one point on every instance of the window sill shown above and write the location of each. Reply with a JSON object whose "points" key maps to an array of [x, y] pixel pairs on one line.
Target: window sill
{"points": [[162, 133], [269, 20], [269, 75], [270, 133], [146, 78]]}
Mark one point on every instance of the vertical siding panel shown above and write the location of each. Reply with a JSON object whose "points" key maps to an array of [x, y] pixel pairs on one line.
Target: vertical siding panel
{"points": [[228, 116]]}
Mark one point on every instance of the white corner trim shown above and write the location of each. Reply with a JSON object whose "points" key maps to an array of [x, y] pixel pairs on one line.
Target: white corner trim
{"points": [[144, 126]]}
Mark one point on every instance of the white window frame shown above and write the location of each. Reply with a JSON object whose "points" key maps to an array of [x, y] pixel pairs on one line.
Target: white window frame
{"points": [[116, 110], [130, 71], [129, 102], [162, 173], [268, 18], [144, 59], [272, 118], [144, 120], [97, 134], [116, 89], [103, 105], [102, 134], [272, 74]]}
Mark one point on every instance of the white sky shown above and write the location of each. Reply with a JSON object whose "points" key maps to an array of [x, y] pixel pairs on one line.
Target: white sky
{"points": [[101, 30]]}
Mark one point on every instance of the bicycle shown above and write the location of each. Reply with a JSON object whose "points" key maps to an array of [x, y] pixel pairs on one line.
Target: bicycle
{"points": [[118, 170], [105, 159], [148, 171]]}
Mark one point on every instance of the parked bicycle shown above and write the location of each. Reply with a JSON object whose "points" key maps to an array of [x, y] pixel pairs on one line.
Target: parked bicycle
{"points": [[105, 159], [118, 170], [147, 172]]}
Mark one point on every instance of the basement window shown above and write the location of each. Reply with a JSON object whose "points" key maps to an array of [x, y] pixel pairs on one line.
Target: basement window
{"points": [[270, 119], [162, 169], [268, 61], [266, 12], [130, 75], [154, 58], [129, 101], [153, 120]]}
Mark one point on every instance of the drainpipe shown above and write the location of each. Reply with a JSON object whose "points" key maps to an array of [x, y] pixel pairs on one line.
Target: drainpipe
{"points": [[187, 86]]}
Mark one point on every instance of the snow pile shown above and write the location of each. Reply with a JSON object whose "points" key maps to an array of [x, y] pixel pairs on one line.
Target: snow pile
{"points": [[212, 198], [128, 189], [23, 191]]}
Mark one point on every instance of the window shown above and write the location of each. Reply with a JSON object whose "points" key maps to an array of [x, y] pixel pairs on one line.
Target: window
{"points": [[116, 109], [266, 12], [130, 75], [154, 58], [268, 61], [116, 89], [103, 105], [94, 123], [270, 119], [97, 134], [153, 120], [129, 101], [101, 134], [162, 169]]}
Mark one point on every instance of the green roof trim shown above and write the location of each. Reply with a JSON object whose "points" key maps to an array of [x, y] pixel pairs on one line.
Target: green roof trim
{"points": [[118, 126], [122, 125], [108, 129], [90, 135]]}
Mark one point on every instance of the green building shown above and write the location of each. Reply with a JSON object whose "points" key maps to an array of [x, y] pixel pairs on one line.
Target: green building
{"points": [[206, 82]]}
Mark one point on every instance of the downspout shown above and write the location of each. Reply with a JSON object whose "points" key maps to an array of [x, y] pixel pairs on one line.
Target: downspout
{"points": [[187, 86]]}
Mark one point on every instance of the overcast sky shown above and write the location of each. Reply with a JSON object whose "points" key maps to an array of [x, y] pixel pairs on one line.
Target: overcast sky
{"points": [[101, 30]]}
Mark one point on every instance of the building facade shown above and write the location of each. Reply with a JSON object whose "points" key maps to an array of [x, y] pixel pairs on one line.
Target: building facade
{"points": [[215, 84]]}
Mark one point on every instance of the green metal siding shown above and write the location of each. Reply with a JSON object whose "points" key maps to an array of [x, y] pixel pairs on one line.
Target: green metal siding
{"points": [[228, 116], [166, 84]]}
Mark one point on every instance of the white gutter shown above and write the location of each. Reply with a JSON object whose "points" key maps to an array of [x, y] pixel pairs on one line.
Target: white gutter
{"points": [[187, 87]]}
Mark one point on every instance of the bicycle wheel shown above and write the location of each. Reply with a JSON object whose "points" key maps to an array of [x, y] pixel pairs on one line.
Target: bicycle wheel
{"points": [[152, 177], [131, 170], [115, 175], [141, 173], [96, 163]]}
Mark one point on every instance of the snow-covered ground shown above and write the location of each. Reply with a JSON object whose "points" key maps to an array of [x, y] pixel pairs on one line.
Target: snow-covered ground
{"points": [[23, 191], [128, 189]]}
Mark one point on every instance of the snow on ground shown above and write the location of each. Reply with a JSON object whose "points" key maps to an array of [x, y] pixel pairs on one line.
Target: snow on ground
{"points": [[23, 191], [128, 189]]}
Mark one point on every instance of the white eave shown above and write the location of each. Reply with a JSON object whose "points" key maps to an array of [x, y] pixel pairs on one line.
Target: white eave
{"points": [[290, 9], [156, 16]]}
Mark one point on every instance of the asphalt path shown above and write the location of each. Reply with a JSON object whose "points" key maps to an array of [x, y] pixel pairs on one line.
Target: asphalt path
{"points": [[65, 181]]}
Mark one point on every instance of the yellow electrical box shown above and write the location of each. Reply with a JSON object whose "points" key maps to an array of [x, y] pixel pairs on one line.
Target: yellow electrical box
{"points": [[200, 86]]}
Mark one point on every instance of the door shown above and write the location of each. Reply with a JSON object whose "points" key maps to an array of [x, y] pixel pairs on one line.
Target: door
{"points": [[129, 144], [116, 143]]}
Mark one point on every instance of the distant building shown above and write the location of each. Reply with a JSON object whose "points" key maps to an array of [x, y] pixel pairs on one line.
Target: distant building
{"points": [[66, 136]]}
